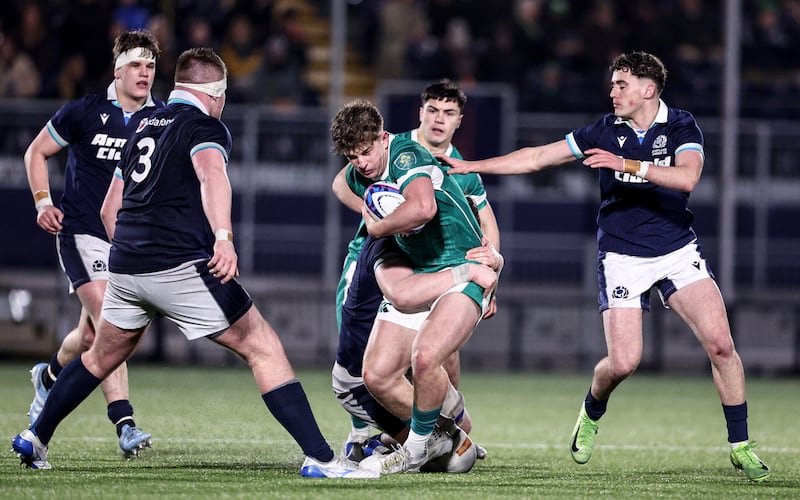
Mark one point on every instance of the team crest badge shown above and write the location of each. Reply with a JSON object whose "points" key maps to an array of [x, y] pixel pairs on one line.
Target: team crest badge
{"points": [[620, 292], [405, 160], [660, 141]]}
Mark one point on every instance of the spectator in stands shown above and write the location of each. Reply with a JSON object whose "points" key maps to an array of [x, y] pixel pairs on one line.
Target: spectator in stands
{"points": [[71, 80], [86, 30], [199, 33], [35, 38], [603, 37], [244, 57], [18, 74], [162, 30], [399, 20], [423, 60], [131, 15], [530, 33], [697, 58], [651, 33], [285, 62], [458, 56]]}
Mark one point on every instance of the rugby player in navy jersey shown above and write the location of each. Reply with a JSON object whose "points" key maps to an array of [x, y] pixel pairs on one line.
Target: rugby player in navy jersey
{"points": [[649, 159], [172, 253], [94, 128]]}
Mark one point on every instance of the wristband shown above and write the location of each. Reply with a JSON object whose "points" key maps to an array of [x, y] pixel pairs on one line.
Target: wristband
{"points": [[460, 273], [223, 235], [630, 166], [637, 168], [42, 199]]}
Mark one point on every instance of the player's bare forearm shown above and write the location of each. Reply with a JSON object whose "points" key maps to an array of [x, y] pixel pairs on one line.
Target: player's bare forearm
{"points": [[682, 176], [521, 161], [343, 192]]}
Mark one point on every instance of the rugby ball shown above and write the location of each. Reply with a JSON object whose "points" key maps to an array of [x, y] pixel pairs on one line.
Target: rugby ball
{"points": [[461, 459], [383, 198]]}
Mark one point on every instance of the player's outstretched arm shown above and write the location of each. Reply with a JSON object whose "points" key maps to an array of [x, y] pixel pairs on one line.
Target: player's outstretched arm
{"points": [[521, 161]]}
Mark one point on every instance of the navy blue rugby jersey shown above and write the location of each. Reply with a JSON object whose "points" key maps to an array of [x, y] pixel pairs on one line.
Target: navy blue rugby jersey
{"points": [[637, 217], [361, 303], [161, 223], [95, 130]]}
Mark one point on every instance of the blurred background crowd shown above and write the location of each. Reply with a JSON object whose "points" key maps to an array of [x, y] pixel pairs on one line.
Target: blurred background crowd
{"points": [[553, 52]]}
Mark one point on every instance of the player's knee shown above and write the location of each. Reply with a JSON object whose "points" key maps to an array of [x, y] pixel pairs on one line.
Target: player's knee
{"points": [[423, 360], [623, 368], [721, 347], [375, 382]]}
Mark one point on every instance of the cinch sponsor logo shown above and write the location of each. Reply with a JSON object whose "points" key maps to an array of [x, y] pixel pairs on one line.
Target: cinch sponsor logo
{"points": [[632, 179], [154, 122], [109, 147]]}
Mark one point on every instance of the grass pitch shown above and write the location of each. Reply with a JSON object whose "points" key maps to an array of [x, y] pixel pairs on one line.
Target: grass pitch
{"points": [[214, 438]]}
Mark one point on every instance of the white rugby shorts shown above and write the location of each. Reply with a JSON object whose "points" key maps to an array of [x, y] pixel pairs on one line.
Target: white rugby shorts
{"points": [[625, 281], [412, 321], [83, 258], [199, 304]]}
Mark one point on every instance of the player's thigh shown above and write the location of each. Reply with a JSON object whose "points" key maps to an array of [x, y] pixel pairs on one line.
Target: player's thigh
{"points": [[388, 351], [111, 347], [448, 327], [701, 306], [623, 332], [251, 336], [91, 296]]}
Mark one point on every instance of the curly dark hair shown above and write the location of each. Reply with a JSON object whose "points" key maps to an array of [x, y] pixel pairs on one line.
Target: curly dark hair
{"points": [[136, 38], [643, 65], [444, 90], [357, 124]]}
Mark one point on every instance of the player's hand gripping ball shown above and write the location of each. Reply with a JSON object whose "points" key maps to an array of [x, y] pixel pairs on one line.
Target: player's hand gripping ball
{"points": [[382, 198]]}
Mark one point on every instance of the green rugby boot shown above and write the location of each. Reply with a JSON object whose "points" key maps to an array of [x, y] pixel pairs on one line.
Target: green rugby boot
{"points": [[582, 442], [744, 459]]}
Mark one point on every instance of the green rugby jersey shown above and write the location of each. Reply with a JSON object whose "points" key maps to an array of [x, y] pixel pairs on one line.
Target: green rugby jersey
{"points": [[445, 239]]}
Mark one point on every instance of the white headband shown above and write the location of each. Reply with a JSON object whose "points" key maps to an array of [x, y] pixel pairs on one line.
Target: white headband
{"points": [[214, 89], [134, 54]]}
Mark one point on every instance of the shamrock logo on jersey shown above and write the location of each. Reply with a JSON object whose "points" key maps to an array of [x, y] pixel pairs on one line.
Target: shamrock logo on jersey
{"points": [[405, 160]]}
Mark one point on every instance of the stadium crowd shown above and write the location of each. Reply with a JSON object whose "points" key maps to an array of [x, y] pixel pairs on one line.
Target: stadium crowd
{"points": [[544, 48]]}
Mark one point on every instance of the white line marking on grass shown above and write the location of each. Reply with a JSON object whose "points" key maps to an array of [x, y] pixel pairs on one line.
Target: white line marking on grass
{"points": [[488, 445]]}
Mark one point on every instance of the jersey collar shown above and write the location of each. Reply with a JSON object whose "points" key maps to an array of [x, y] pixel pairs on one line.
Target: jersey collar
{"points": [[185, 97], [388, 156], [111, 95], [415, 138], [661, 116]]}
